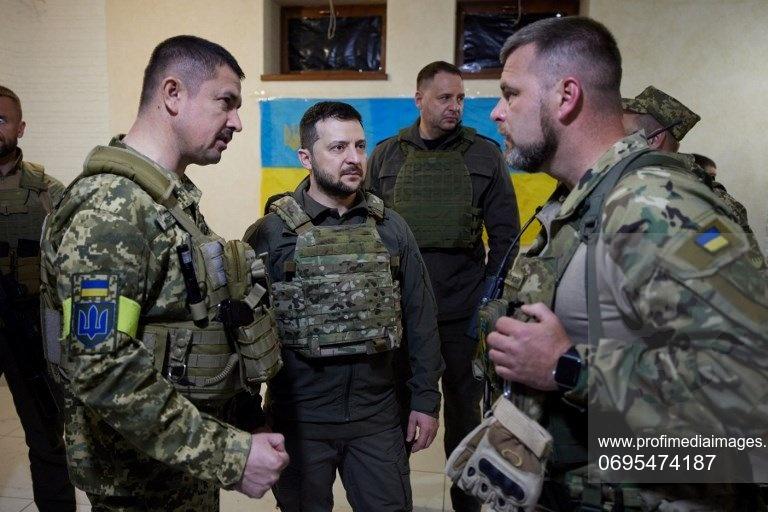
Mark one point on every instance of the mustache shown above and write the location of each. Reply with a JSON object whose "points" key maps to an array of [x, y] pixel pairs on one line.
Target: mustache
{"points": [[225, 135], [352, 169]]}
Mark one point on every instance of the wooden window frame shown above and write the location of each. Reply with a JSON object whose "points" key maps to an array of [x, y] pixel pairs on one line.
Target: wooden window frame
{"points": [[567, 7], [288, 12]]}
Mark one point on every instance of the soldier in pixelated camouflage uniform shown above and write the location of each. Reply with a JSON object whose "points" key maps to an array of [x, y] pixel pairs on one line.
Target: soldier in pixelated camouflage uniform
{"points": [[27, 194], [349, 284], [661, 319], [146, 386], [666, 121]]}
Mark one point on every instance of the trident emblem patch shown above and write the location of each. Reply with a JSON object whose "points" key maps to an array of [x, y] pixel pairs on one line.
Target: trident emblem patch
{"points": [[94, 322]]}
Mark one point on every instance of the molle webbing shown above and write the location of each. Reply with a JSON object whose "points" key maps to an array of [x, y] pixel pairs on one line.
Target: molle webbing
{"points": [[199, 362], [342, 298], [22, 214], [433, 193]]}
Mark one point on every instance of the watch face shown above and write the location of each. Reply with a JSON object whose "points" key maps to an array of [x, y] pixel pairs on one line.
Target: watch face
{"points": [[568, 369]]}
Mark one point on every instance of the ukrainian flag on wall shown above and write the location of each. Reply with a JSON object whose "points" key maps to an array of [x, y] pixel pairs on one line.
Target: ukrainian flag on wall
{"points": [[382, 118]]}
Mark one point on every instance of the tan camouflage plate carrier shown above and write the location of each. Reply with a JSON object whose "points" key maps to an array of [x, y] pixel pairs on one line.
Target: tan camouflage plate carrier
{"points": [[341, 297], [195, 355], [433, 193]]}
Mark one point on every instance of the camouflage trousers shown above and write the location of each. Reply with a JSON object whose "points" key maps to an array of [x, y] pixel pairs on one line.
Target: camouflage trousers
{"points": [[183, 494]]}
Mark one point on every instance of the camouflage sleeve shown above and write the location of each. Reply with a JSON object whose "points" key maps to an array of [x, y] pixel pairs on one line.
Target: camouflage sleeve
{"points": [[694, 288], [113, 375], [420, 323]]}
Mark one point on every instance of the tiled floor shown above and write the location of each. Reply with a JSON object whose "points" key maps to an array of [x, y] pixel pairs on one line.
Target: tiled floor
{"points": [[430, 490]]}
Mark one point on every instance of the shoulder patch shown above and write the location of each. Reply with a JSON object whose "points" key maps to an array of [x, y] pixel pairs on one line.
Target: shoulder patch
{"points": [[712, 239], [94, 313], [705, 250]]}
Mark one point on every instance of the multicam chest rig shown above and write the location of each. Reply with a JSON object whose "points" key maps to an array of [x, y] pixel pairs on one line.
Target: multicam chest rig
{"points": [[433, 193], [230, 343], [339, 296]]}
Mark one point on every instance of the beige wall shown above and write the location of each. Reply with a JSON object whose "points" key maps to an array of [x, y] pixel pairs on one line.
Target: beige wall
{"points": [[711, 55], [53, 55], [707, 53], [230, 198]]}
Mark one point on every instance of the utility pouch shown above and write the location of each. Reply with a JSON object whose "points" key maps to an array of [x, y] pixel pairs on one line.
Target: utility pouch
{"points": [[210, 256], [259, 349], [238, 258], [488, 315]]}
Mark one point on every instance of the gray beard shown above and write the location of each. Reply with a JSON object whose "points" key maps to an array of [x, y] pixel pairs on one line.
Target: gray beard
{"points": [[531, 158]]}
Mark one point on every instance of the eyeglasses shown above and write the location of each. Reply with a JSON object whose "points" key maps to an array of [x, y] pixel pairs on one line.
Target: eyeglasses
{"points": [[654, 133]]}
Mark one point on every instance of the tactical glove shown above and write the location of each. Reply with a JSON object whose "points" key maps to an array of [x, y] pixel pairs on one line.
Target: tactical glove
{"points": [[502, 461]]}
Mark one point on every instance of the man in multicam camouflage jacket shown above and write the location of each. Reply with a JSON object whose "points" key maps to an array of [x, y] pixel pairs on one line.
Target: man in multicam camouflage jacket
{"points": [[143, 383], [349, 284], [668, 330], [666, 121]]}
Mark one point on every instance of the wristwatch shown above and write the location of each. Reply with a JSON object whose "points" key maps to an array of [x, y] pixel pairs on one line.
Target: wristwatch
{"points": [[568, 369]]}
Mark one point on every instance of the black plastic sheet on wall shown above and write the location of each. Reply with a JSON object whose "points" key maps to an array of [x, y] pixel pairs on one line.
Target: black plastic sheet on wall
{"points": [[484, 35], [356, 44]]}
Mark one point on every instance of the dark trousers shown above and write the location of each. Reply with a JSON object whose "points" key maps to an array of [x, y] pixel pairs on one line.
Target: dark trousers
{"points": [[461, 395], [44, 436], [374, 470]]}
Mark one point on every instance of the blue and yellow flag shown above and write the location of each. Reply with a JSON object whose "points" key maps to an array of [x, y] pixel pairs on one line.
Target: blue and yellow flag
{"points": [[712, 239], [382, 118], [94, 288]]}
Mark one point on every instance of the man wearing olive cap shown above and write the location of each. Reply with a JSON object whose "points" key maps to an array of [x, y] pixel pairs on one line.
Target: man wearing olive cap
{"points": [[666, 121]]}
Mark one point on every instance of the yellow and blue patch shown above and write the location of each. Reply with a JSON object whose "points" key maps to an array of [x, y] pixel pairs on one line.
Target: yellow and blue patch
{"points": [[94, 288], [712, 240], [94, 312]]}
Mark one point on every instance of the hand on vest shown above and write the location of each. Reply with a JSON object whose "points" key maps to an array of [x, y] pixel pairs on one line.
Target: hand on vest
{"points": [[266, 460], [527, 352], [427, 430]]}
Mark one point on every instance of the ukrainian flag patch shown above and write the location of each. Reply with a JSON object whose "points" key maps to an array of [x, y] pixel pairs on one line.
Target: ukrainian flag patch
{"points": [[94, 288], [712, 240]]}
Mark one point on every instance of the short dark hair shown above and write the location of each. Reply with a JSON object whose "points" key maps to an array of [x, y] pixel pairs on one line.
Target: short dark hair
{"points": [[195, 58], [429, 71], [7, 93], [704, 161], [573, 44], [321, 111]]}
